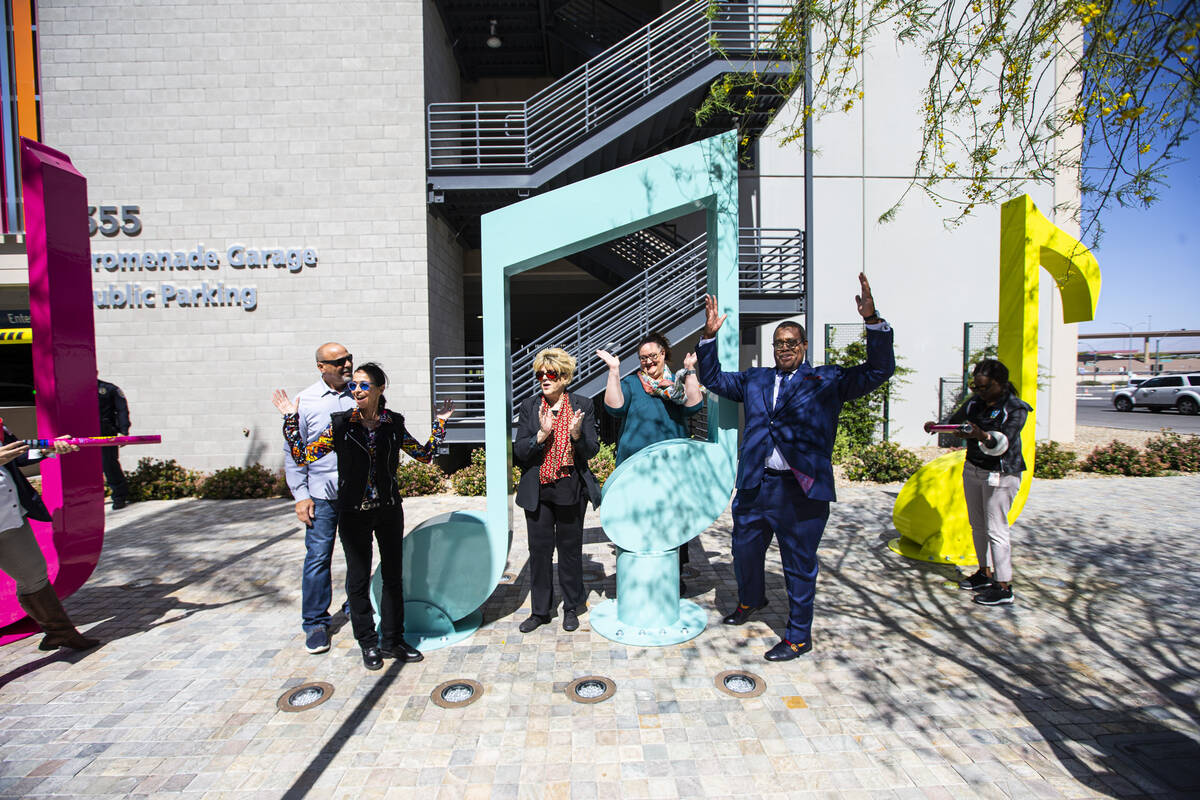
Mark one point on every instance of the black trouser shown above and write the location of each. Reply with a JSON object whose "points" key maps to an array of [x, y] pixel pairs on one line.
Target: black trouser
{"points": [[355, 529], [554, 526], [113, 475]]}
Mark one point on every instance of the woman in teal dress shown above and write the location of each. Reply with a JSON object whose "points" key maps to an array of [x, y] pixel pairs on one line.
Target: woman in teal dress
{"points": [[654, 404]]}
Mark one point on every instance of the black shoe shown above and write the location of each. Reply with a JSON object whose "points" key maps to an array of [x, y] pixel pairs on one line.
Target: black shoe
{"points": [[119, 503], [403, 651], [534, 622], [996, 595], [570, 620], [742, 613], [372, 658], [786, 651], [977, 582]]}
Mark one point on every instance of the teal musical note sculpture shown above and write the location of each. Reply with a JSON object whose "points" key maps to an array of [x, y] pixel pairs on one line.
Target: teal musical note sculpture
{"points": [[671, 491]]}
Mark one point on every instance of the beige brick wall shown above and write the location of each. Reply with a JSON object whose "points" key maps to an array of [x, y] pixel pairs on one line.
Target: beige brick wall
{"points": [[265, 123]]}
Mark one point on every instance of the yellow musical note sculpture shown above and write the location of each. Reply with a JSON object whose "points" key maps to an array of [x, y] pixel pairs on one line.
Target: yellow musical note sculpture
{"points": [[931, 513]]}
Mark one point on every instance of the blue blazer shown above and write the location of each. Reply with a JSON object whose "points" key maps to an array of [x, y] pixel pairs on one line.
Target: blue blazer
{"points": [[804, 426]]}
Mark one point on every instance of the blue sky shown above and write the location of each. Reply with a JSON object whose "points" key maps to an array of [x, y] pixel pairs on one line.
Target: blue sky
{"points": [[1150, 262]]}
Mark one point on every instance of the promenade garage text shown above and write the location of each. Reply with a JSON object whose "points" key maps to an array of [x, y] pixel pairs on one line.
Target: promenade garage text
{"points": [[201, 259]]}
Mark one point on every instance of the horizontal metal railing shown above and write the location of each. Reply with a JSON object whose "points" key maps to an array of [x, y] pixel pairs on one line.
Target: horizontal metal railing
{"points": [[770, 262], [522, 135]]}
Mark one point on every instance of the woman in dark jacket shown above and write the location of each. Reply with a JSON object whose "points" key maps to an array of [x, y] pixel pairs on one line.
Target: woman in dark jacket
{"points": [[992, 420], [21, 556], [556, 435], [368, 440]]}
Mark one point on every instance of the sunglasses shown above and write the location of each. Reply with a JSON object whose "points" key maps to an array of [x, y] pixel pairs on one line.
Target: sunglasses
{"points": [[550, 376], [787, 344], [337, 362], [355, 386]]}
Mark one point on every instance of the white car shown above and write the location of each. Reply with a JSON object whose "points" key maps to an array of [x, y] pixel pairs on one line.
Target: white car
{"points": [[1165, 391]]}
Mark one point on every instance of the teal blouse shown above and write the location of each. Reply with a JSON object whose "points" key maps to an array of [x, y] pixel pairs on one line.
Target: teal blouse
{"points": [[647, 418]]}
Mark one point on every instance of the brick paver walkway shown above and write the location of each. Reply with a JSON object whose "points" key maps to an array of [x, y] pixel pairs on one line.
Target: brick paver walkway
{"points": [[911, 691]]}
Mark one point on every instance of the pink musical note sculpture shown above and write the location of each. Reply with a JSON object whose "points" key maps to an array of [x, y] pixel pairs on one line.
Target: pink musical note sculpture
{"points": [[64, 370]]}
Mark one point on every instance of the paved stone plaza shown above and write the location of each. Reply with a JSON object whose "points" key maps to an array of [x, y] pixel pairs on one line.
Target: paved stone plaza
{"points": [[1086, 688]]}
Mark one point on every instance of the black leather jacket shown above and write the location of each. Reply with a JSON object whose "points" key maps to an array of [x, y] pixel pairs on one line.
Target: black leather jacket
{"points": [[1008, 418], [354, 461]]}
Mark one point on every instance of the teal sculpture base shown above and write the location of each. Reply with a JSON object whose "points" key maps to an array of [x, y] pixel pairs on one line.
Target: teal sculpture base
{"points": [[647, 611], [427, 627], [605, 620]]}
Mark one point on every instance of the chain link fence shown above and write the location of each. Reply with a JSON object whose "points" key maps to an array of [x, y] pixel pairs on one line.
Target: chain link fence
{"points": [[979, 342]]}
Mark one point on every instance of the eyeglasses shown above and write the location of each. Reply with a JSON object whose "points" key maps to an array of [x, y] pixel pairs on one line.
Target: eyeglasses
{"points": [[650, 359], [355, 386], [337, 362], [787, 344], [550, 375]]}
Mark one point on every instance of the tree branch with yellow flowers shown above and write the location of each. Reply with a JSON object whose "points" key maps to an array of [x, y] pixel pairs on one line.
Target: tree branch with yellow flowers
{"points": [[1017, 92]]}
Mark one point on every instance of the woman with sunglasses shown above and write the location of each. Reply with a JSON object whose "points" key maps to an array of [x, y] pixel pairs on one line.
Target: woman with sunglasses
{"points": [[368, 440], [992, 420], [556, 435], [653, 403]]}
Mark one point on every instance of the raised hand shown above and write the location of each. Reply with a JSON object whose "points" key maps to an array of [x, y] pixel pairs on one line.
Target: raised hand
{"points": [[611, 361], [690, 361], [446, 409], [286, 406], [865, 301], [712, 322], [576, 425]]}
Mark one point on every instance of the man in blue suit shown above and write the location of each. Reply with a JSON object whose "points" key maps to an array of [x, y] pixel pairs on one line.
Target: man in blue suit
{"points": [[785, 468]]}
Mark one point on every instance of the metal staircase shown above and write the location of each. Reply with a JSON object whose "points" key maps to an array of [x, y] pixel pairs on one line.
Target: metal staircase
{"points": [[667, 298], [636, 98]]}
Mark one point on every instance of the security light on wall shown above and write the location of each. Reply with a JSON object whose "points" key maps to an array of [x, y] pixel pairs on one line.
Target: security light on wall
{"points": [[493, 41]]}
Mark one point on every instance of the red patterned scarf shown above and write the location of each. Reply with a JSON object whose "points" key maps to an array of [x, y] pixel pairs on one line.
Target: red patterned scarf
{"points": [[561, 454]]}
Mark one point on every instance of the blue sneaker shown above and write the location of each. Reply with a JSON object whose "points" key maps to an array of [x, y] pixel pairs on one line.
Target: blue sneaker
{"points": [[317, 640]]}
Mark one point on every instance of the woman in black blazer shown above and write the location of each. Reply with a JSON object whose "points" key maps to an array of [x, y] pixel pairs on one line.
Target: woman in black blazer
{"points": [[556, 435]]}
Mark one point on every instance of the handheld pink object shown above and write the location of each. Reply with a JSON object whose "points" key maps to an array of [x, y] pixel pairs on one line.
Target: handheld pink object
{"points": [[96, 441], [941, 428], [64, 370]]}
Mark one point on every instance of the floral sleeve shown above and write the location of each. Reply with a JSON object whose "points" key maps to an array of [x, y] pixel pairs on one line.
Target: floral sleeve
{"points": [[301, 453], [425, 452]]}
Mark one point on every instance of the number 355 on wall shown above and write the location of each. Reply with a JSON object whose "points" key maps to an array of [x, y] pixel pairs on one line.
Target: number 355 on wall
{"points": [[114, 220]]}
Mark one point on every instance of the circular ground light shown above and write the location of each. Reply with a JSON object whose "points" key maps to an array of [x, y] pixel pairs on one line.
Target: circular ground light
{"points": [[739, 683], [304, 696], [508, 577], [591, 689], [457, 693]]}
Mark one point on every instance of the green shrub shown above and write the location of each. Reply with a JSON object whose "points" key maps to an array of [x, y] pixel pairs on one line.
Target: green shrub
{"points": [[240, 483], [1176, 452], [416, 478], [471, 480], [1052, 461], [604, 462], [886, 462], [161, 480], [1117, 458]]}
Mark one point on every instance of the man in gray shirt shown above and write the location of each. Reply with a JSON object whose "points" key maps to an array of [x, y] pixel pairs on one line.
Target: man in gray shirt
{"points": [[314, 487]]}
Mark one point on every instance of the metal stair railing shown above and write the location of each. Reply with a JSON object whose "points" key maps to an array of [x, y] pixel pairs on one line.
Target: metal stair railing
{"points": [[522, 135], [770, 262]]}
